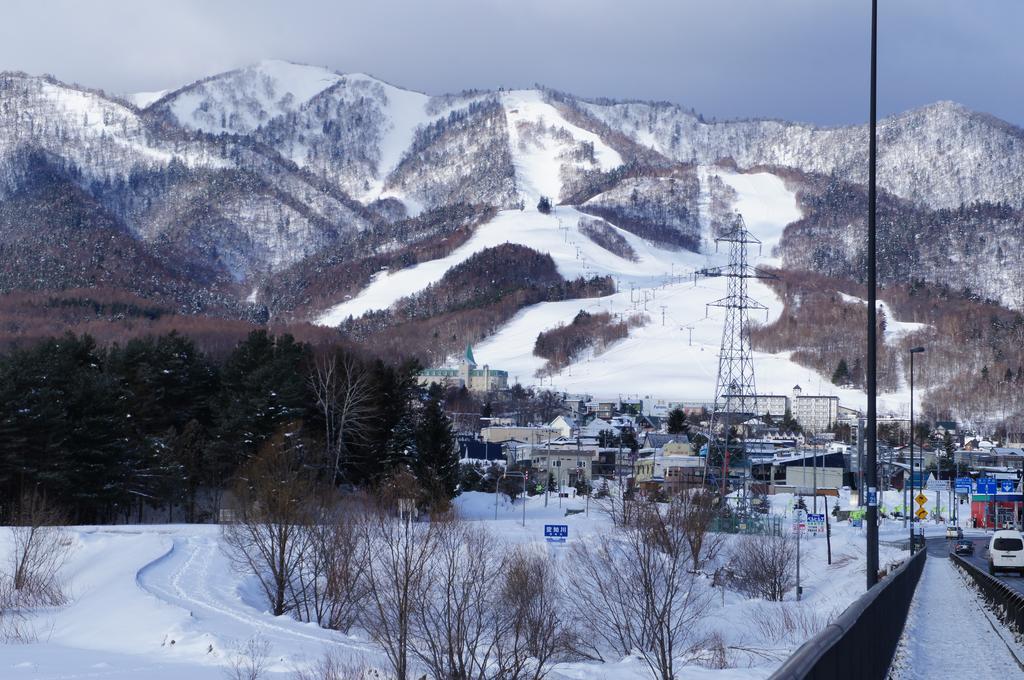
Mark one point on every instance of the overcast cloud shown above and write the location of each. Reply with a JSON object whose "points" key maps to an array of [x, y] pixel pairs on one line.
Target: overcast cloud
{"points": [[794, 59]]}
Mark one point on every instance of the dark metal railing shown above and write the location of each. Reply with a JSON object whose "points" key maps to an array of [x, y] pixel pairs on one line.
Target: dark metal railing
{"points": [[1007, 602], [861, 642]]}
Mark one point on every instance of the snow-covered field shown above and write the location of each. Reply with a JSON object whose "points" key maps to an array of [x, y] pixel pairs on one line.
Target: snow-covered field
{"points": [[161, 602]]}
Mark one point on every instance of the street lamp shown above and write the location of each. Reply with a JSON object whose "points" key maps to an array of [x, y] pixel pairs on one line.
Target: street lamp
{"points": [[913, 351], [871, 513]]}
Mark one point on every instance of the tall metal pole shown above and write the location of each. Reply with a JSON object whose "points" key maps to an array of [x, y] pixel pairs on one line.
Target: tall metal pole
{"points": [[912, 447], [913, 351], [871, 516], [814, 472]]}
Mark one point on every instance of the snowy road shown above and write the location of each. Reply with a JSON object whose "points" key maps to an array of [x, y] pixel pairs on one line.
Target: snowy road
{"points": [[948, 633]]}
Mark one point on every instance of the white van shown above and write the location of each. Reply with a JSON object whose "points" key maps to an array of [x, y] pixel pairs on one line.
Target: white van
{"points": [[1006, 552]]}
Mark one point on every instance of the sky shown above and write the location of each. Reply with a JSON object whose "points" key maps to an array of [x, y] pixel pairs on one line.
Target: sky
{"points": [[804, 60]]}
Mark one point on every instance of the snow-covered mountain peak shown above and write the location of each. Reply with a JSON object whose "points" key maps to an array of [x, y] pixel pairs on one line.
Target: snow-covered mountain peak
{"points": [[243, 100]]}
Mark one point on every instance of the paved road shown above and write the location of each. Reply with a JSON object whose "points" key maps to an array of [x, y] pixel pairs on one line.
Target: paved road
{"points": [[939, 547]]}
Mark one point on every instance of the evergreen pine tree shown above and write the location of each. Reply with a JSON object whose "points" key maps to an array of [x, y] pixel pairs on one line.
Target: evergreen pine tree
{"points": [[841, 376], [677, 422], [437, 460]]}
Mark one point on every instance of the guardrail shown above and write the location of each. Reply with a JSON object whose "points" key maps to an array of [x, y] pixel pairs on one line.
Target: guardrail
{"points": [[1007, 602], [861, 642]]}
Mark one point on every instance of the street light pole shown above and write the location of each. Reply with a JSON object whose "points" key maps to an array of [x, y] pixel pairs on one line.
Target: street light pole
{"points": [[913, 351], [871, 515]]}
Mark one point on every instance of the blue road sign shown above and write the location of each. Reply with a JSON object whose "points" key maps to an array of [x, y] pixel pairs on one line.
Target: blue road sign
{"points": [[963, 484], [1007, 486], [556, 533], [987, 486]]}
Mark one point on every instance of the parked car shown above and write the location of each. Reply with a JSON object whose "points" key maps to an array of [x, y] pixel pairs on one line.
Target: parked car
{"points": [[954, 532], [964, 548], [1006, 552]]}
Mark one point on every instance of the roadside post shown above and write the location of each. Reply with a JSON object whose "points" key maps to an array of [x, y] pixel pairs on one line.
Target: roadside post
{"points": [[798, 525], [828, 533]]}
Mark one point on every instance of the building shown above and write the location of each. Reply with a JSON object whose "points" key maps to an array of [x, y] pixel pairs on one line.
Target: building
{"points": [[565, 425], [467, 375], [670, 444], [604, 408], [523, 434], [567, 464], [815, 412], [774, 405], [799, 477], [668, 471]]}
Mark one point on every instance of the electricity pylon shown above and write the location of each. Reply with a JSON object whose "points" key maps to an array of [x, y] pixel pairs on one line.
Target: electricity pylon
{"points": [[735, 392]]}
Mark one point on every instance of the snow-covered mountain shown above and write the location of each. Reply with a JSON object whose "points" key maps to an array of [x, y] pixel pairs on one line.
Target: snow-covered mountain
{"points": [[323, 195], [940, 156]]}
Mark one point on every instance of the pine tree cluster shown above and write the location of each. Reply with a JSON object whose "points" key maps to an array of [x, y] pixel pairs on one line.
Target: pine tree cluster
{"points": [[156, 425]]}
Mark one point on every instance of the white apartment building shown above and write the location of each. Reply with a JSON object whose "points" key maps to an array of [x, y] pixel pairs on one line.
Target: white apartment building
{"points": [[815, 412], [774, 405]]}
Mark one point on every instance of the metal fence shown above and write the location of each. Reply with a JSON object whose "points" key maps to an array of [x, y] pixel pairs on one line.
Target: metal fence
{"points": [[1007, 602], [860, 644]]}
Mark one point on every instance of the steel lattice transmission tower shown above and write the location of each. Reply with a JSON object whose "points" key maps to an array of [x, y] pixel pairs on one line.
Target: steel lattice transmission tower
{"points": [[735, 391]]}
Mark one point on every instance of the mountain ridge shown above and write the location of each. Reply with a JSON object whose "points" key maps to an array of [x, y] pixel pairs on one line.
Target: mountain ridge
{"points": [[302, 194]]}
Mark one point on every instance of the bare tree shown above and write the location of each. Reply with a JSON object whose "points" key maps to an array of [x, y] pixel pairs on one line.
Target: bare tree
{"points": [[250, 661], [330, 583], [643, 592], [690, 514], [763, 566], [14, 624], [530, 631], [344, 399], [398, 550], [39, 549], [269, 535], [332, 667], [454, 620]]}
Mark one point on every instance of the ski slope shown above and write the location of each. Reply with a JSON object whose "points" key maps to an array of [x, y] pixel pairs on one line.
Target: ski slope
{"points": [[674, 354]]}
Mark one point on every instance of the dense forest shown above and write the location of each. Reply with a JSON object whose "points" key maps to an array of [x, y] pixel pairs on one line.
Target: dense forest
{"points": [[973, 369], [109, 433]]}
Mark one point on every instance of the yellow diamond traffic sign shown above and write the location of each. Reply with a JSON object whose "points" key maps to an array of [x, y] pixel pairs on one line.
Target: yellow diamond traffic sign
{"points": [[921, 499], [921, 513]]}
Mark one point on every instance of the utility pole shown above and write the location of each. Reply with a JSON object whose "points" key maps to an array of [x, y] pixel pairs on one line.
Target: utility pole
{"points": [[871, 516], [799, 590], [913, 351], [662, 315], [814, 473]]}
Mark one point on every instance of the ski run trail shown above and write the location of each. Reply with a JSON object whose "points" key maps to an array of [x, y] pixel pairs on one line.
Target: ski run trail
{"points": [[949, 634]]}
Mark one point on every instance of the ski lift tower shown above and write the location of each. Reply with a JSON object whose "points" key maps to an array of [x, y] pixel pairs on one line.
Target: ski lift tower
{"points": [[735, 393]]}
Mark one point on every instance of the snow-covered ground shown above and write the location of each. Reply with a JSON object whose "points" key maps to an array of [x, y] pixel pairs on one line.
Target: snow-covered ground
{"points": [[949, 634], [162, 602]]}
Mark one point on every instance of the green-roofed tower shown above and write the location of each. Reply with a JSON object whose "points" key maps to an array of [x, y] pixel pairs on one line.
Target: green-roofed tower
{"points": [[469, 355]]}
